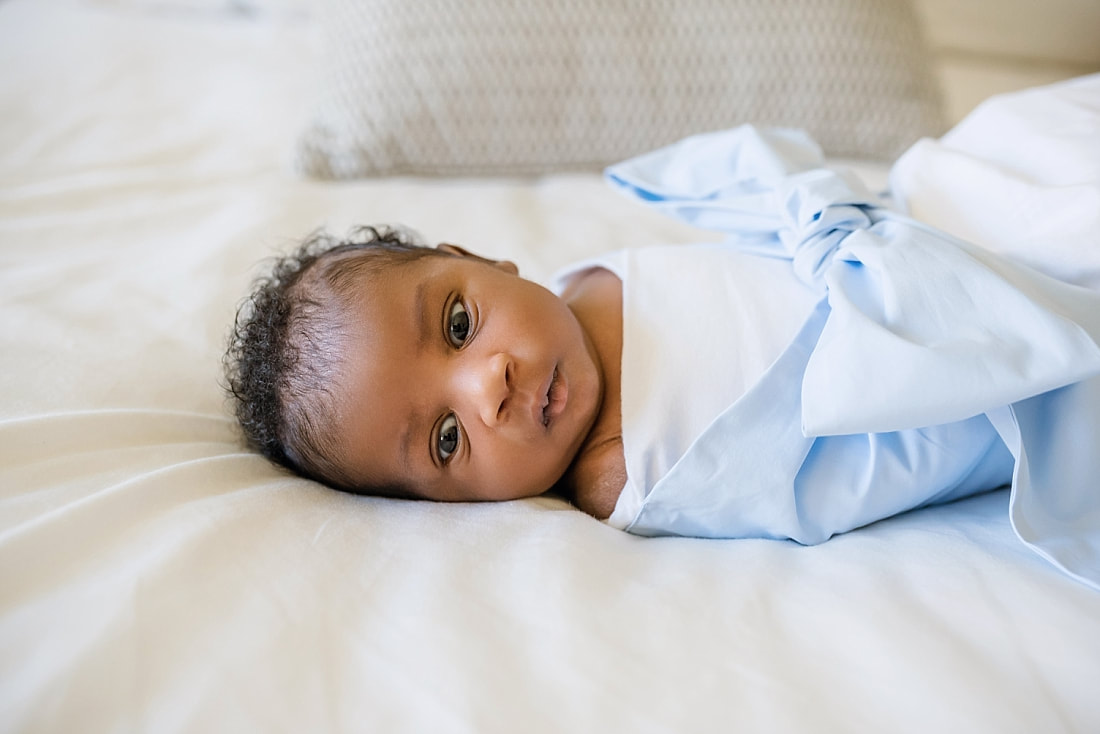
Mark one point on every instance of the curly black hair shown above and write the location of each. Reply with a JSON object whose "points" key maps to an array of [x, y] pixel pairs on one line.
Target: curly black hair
{"points": [[288, 340]]}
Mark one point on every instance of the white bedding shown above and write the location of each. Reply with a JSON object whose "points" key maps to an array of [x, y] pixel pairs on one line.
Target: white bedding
{"points": [[154, 576]]}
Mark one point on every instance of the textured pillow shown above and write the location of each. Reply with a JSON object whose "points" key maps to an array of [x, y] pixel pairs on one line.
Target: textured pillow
{"points": [[467, 87]]}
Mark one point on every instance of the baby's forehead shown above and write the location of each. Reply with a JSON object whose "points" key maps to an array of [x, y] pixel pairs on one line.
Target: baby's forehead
{"points": [[342, 279], [381, 304]]}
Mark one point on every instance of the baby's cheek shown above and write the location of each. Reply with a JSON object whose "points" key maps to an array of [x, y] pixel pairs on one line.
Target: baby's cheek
{"points": [[519, 476]]}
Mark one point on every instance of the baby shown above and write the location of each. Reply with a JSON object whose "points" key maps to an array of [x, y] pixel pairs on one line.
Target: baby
{"points": [[830, 363], [382, 366]]}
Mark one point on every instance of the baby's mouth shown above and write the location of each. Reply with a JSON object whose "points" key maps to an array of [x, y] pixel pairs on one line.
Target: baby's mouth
{"points": [[556, 396]]}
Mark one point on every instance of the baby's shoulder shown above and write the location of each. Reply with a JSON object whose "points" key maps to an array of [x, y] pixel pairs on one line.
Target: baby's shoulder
{"points": [[595, 287]]}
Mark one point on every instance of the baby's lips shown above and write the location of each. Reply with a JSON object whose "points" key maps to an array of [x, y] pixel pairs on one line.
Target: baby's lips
{"points": [[557, 396]]}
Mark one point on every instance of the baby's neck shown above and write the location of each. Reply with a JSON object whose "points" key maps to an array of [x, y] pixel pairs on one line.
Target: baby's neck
{"points": [[598, 472]]}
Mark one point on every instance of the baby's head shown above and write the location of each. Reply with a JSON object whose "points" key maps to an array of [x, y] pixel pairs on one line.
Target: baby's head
{"points": [[382, 366]]}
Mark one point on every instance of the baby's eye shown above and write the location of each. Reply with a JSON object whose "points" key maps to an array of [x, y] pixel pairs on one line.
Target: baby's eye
{"points": [[448, 437], [458, 324]]}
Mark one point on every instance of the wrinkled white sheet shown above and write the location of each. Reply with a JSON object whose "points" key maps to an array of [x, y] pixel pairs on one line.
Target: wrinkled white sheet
{"points": [[155, 577]]}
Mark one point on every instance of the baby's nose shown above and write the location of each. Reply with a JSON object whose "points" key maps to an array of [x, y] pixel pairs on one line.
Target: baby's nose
{"points": [[494, 388]]}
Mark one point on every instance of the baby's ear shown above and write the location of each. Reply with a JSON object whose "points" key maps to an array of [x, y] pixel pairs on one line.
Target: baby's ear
{"points": [[506, 265]]}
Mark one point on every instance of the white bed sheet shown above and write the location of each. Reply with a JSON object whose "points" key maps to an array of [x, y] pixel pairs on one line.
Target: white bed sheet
{"points": [[154, 576]]}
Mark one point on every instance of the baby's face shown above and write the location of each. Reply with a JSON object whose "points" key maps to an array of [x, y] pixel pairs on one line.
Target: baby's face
{"points": [[467, 382]]}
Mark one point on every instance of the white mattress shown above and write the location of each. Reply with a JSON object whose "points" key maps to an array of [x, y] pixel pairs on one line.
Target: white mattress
{"points": [[155, 576]]}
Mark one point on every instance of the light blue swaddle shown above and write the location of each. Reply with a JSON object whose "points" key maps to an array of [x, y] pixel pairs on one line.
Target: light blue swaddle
{"points": [[930, 369]]}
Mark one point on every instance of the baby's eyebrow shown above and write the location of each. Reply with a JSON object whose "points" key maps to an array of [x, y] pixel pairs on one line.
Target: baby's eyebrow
{"points": [[423, 325]]}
